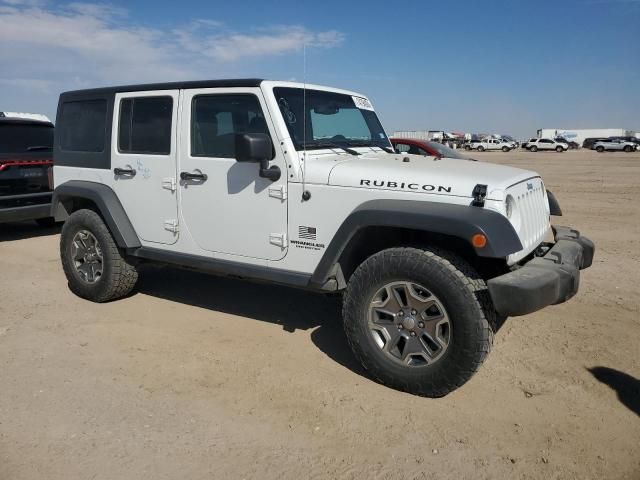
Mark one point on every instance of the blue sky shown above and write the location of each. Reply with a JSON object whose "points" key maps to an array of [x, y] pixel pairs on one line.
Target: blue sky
{"points": [[491, 66]]}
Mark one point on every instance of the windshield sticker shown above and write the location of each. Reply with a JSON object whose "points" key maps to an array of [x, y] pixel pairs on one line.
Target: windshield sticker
{"points": [[362, 103]]}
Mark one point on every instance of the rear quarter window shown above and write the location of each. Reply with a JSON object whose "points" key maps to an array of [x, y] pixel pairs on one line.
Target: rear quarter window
{"points": [[82, 126]]}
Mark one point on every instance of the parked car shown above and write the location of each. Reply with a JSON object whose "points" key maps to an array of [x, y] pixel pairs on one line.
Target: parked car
{"points": [[222, 176], [613, 145], [424, 147], [634, 140], [536, 144], [26, 160], [590, 142], [572, 145], [489, 144]]}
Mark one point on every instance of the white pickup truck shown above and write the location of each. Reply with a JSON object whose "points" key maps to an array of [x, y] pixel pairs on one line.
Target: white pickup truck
{"points": [[490, 144]]}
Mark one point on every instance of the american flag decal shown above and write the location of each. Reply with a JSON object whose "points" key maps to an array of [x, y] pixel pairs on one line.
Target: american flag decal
{"points": [[308, 233]]}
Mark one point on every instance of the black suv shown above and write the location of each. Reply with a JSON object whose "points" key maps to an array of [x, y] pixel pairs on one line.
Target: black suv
{"points": [[26, 160]]}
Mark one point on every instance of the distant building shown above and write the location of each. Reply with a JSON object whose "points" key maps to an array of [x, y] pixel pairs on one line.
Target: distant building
{"points": [[579, 135]]}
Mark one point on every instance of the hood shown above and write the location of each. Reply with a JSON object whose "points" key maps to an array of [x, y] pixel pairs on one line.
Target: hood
{"points": [[413, 173]]}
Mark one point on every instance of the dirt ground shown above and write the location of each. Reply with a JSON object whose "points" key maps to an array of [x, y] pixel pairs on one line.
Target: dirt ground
{"points": [[196, 377]]}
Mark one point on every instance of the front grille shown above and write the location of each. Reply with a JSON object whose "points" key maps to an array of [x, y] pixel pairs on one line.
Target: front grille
{"points": [[532, 209]]}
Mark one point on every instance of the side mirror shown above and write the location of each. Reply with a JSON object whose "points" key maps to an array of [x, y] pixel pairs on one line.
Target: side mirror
{"points": [[257, 147]]}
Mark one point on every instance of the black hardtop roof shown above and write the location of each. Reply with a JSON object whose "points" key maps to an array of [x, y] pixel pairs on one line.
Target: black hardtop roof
{"points": [[237, 82]]}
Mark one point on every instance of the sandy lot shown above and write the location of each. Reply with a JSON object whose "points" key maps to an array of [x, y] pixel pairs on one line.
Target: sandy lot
{"points": [[202, 378]]}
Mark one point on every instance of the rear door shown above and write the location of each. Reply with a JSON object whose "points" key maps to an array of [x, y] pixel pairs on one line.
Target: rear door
{"points": [[546, 144], [143, 159]]}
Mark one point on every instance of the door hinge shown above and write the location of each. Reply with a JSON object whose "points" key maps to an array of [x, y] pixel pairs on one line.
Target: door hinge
{"points": [[279, 191], [172, 225], [169, 184], [279, 239]]}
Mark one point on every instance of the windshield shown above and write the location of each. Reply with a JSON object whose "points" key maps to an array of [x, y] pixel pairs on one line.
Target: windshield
{"points": [[445, 151], [330, 118], [21, 137]]}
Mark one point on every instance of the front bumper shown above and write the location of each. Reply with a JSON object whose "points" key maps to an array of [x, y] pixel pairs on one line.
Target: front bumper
{"points": [[548, 280]]}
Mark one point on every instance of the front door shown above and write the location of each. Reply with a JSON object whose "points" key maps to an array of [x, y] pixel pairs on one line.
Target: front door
{"points": [[226, 206], [143, 159]]}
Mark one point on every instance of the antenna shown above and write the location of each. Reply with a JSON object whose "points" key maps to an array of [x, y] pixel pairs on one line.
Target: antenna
{"points": [[306, 195]]}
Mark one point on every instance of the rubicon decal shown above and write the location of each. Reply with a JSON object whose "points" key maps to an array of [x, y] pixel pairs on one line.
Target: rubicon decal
{"points": [[404, 186]]}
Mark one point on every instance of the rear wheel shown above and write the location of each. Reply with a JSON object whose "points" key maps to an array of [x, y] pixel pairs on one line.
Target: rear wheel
{"points": [[533, 148], [418, 320], [505, 149], [600, 148], [627, 148], [559, 149], [92, 262], [467, 147]]}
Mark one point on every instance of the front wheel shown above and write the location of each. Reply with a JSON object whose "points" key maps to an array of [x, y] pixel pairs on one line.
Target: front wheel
{"points": [[600, 149], [94, 267], [505, 149], [418, 320], [481, 148], [627, 148], [533, 149], [467, 147], [559, 149]]}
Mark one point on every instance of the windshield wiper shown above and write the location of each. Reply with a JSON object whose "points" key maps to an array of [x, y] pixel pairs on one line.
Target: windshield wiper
{"points": [[332, 145], [39, 147]]}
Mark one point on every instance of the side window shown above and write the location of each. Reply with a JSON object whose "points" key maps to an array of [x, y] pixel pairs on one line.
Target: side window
{"points": [[217, 119], [402, 147], [545, 141], [82, 126], [145, 125], [422, 151]]}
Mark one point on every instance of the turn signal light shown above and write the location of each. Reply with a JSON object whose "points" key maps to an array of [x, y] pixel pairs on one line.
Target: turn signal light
{"points": [[479, 240]]}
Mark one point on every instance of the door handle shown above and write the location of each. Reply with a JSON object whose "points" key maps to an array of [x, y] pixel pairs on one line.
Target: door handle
{"points": [[200, 177], [130, 172]]}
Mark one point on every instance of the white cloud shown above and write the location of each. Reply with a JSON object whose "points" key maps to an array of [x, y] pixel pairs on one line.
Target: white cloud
{"points": [[80, 44]]}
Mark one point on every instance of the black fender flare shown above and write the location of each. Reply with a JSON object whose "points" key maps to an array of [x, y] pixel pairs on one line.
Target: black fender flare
{"points": [[554, 205], [459, 221], [108, 206]]}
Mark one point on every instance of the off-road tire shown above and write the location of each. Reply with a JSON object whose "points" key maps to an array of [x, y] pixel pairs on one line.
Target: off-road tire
{"points": [[118, 277], [533, 149], [465, 298]]}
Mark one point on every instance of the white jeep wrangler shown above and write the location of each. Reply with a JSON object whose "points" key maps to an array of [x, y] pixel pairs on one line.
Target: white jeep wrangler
{"points": [[274, 182]]}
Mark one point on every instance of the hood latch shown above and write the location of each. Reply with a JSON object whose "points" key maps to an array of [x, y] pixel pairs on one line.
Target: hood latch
{"points": [[479, 193]]}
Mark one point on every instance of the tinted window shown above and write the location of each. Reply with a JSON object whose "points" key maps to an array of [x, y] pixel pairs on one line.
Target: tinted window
{"points": [[145, 125], [82, 125], [24, 137], [217, 119], [545, 141]]}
